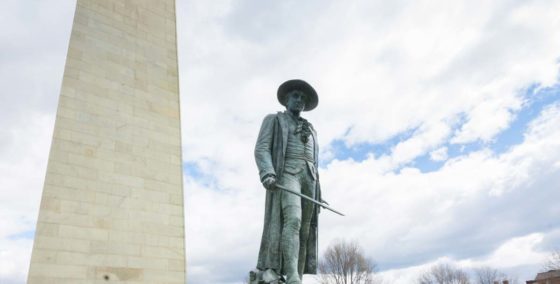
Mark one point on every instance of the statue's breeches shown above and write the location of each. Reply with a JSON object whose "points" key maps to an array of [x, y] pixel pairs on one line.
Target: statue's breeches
{"points": [[296, 216]]}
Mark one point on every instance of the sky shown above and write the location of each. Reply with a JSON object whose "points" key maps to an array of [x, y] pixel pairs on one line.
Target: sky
{"points": [[438, 124]]}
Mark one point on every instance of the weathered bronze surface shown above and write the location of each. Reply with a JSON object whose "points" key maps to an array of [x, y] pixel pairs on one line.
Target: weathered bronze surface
{"points": [[286, 154]]}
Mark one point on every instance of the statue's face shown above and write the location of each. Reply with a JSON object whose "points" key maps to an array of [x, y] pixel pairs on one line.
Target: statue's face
{"points": [[296, 101]]}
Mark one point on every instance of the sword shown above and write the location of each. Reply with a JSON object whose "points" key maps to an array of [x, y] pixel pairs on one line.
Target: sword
{"points": [[308, 198]]}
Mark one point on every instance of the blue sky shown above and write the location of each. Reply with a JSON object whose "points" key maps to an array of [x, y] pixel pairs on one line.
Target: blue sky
{"points": [[535, 99], [437, 121]]}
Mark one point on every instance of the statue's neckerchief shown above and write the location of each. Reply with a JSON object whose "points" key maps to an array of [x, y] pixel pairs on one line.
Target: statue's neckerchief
{"points": [[303, 127]]}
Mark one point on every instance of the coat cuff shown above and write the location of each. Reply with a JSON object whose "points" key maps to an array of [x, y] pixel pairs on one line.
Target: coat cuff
{"points": [[264, 176]]}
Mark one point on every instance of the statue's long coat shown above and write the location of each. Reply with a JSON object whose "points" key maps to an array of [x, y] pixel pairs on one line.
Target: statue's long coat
{"points": [[269, 155]]}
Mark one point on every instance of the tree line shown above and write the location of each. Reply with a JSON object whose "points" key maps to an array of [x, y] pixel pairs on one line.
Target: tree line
{"points": [[345, 263]]}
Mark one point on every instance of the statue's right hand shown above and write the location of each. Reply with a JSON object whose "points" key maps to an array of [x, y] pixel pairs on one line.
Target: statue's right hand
{"points": [[269, 182]]}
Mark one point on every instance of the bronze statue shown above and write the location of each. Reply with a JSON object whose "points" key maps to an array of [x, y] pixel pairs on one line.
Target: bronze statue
{"points": [[287, 155]]}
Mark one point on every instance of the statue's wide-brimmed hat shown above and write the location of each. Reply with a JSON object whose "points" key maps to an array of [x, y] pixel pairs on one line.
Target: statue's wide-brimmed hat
{"points": [[300, 85]]}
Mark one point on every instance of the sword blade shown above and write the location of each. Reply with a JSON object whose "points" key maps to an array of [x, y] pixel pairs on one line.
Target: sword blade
{"points": [[308, 198]]}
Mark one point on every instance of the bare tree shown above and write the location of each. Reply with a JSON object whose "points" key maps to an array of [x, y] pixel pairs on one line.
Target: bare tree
{"points": [[553, 262], [444, 274], [489, 275], [486, 275], [345, 263]]}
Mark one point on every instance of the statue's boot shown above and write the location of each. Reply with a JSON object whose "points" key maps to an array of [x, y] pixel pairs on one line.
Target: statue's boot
{"points": [[270, 276]]}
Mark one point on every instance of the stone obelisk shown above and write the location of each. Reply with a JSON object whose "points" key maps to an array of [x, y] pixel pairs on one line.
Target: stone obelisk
{"points": [[112, 204]]}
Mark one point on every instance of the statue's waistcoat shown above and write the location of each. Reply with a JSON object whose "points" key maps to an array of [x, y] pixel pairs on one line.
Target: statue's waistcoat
{"points": [[297, 149]]}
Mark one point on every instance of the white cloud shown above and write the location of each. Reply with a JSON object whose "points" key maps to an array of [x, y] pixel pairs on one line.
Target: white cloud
{"points": [[421, 142], [380, 69], [508, 258], [487, 119], [515, 252], [471, 205], [439, 154], [34, 42], [22, 172], [222, 228], [14, 260]]}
